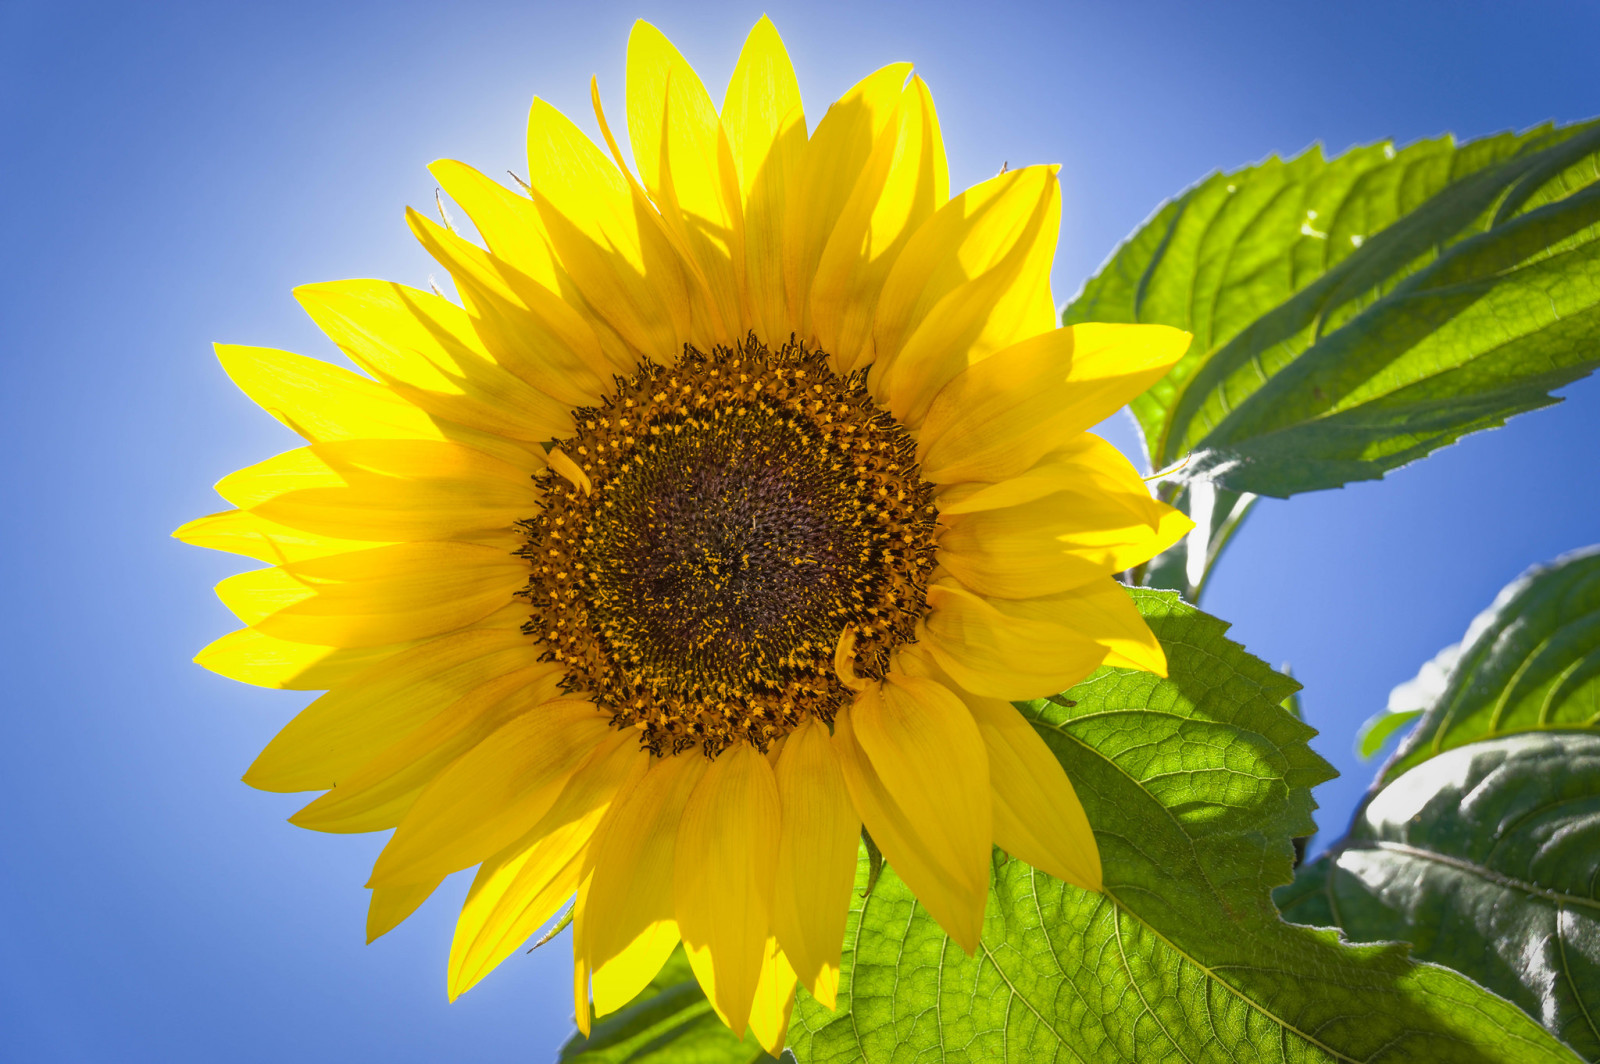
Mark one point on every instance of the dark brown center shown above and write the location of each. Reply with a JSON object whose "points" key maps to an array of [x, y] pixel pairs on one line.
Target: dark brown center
{"points": [[743, 510]]}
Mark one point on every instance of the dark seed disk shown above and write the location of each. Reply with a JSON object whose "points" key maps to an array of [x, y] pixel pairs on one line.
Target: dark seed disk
{"points": [[744, 508]]}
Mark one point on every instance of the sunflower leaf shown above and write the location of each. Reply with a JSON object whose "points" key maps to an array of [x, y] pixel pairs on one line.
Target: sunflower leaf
{"points": [[670, 1022], [1480, 844], [1378, 730], [1487, 859], [1196, 785], [1354, 314], [1530, 662]]}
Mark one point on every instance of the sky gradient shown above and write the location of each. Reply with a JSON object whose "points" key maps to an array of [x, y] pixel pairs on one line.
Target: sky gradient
{"points": [[171, 171]]}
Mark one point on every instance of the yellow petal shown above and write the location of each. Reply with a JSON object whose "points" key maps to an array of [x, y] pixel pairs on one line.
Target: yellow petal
{"points": [[769, 1016], [425, 348], [816, 858], [243, 532], [991, 648], [999, 416], [617, 763], [507, 220], [521, 887], [388, 907], [1104, 612], [914, 764], [765, 125], [378, 793], [250, 656], [493, 793], [723, 873], [531, 330], [386, 490], [904, 181], [1049, 545], [322, 402], [972, 281], [834, 160], [348, 726], [582, 1010], [685, 163], [629, 930], [606, 237], [1037, 815], [515, 233], [383, 595], [1084, 463], [510, 900]]}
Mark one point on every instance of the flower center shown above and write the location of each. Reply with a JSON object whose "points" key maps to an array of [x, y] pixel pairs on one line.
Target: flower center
{"points": [[744, 511]]}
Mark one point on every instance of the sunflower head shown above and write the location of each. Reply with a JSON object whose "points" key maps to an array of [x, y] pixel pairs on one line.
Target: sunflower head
{"points": [[720, 520]]}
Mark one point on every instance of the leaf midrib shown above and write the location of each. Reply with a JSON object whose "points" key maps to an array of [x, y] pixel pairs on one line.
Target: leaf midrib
{"points": [[1123, 907], [1499, 879]]}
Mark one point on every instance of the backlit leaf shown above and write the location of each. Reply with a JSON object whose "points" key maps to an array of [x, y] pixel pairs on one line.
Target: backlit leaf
{"points": [[1487, 859], [1354, 314], [1530, 662]]}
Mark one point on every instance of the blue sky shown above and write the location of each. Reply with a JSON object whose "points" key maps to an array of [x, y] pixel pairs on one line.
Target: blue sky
{"points": [[170, 172]]}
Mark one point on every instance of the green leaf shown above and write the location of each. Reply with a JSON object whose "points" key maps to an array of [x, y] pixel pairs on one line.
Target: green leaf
{"points": [[1379, 729], [1530, 661], [1352, 315], [1196, 786], [1487, 859], [670, 1022]]}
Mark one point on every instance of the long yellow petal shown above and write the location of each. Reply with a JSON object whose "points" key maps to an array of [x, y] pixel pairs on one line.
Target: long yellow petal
{"points": [[380, 791], [1037, 815], [351, 724], [425, 348], [388, 907], [1104, 612], [617, 254], [507, 220], [510, 900], [243, 532], [386, 490], [765, 124], [493, 793], [630, 897], [999, 416], [972, 281], [323, 402], [320, 401], [582, 1007], [685, 162], [769, 1016], [816, 858], [914, 764], [1050, 545], [992, 649], [521, 887], [383, 595], [723, 873], [904, 182], [514, 231], [251, 656], [834, 160], [1083, 463], [531, 330]]}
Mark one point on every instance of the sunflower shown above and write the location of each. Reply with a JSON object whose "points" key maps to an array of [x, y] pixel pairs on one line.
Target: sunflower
{"points": [[719, 521]]}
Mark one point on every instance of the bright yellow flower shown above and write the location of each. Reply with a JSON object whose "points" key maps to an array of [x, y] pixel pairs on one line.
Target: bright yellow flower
{"points": [[722, 520]]}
